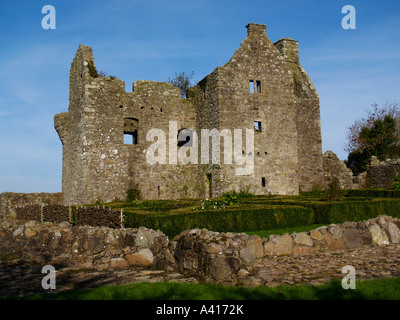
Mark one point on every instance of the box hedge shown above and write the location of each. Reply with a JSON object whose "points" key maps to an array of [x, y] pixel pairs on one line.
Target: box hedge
{"points": [[339, 212], [262, 213], [227, 220], [373, 193]]}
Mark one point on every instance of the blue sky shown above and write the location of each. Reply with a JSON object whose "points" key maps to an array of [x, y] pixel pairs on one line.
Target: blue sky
{"points": [[151, 40]]}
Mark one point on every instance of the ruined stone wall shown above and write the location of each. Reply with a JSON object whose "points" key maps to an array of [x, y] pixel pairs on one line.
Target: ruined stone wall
{"points": [[206, 98], [336, 168], [229, 257], [226, 258], [275, 153], [381, 174], [99, 165], [10, 200], [155, 105], [98, 248], [308, 123]]}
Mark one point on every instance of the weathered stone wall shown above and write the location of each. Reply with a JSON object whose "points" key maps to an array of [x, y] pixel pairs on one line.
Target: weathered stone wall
{"points": [[80, 246], [336, 168], [98, 165], [220, 257], [10, 200], [228, 257], [381, 174], [308, 123], [275, 146]]}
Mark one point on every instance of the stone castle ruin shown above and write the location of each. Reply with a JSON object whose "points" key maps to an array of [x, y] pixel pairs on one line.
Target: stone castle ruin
{"points": [[263, 87]]}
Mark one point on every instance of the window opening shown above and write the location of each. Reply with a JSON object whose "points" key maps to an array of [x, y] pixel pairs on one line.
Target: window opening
{"points": [[251, 83], [131, 127], [257, 126]]}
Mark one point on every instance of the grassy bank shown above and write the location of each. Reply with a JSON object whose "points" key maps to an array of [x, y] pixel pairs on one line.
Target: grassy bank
{"points": [[385, 289]]}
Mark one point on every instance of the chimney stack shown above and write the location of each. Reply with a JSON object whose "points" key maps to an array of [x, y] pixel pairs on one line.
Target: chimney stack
{"points": [[254, 29]]}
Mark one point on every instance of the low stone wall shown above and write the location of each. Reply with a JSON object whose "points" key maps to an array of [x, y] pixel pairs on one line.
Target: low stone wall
{"points": [[381, 174], [219, 257], [9, 201], [80, 246], [227, 257]]}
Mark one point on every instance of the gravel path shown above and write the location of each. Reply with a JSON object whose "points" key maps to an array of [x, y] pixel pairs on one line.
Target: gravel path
{"points": [[313, 269]]}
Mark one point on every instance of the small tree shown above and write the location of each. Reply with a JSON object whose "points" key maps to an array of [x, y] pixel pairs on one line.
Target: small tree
{"points": [[182, 80], [376, 135], [334, 191]]}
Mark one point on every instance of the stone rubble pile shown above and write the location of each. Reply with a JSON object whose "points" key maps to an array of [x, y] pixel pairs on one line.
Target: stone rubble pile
{"points": [[225, 258]]}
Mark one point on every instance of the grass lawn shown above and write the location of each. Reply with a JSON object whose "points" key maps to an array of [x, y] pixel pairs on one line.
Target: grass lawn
{"points": [[267, 233], [383, 289]]}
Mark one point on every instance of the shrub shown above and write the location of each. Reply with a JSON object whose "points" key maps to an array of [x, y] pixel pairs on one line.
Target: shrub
{"points": [[326, 213], [334, 191], [396, 182], [92, 69], [229, 220], [373, 193], [133, 194], [230, 198]]}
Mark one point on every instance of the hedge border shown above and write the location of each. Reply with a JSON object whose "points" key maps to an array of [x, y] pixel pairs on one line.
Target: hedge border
{"points": [[224, 220]]}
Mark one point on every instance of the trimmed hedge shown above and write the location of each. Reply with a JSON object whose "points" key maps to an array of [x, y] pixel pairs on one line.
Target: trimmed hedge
{"points": [[374, 193], [340, 212], [362, 193], [224, 221]]}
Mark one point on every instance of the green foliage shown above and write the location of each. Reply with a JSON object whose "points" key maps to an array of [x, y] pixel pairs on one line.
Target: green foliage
{"points": [[377, 135], [373, 193], [382, 289], [333, 191], [209, 204], [380, 139], [133, 194], [357, 161], [92, 69], [234, 219], [396, 182], [230, 198], [341, 212]]}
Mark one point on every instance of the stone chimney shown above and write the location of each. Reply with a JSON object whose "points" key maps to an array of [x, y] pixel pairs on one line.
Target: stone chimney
{"points": [[289, 49], [254, 29]]}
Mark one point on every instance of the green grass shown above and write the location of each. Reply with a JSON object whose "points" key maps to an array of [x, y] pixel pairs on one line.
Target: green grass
{"points": [[267, 233], [382, 289]]}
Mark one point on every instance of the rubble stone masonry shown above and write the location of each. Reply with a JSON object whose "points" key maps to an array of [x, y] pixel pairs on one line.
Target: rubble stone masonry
{"points": [[263, 87]]}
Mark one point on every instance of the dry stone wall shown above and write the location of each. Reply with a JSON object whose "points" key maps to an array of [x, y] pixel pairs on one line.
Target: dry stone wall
{"points": [[225, 258], [381, 174], [228, 257], [88, 247], [9, 201]]}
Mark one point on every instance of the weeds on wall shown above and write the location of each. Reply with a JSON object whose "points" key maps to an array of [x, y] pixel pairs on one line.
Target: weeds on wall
{"points": [[396, 182], [133, 194]]}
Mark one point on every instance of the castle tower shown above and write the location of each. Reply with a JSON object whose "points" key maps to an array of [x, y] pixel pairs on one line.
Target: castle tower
{"points": [[263, 88]]}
